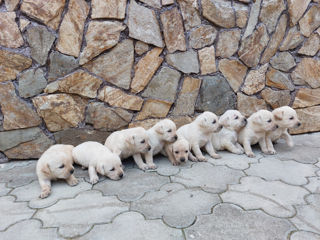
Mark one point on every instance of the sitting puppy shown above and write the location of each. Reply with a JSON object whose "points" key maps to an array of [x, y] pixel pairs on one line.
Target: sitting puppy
{"points": [[199, 133], [227, 138], [130, 142], [255, 131], [98, 158], [285, 117], [55, 163]]}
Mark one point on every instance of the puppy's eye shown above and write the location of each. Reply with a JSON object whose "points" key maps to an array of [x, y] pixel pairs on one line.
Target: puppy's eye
{"points": [[214, 121], [112, 169], [62, 166], [186, 151], [176, 152], [143, 141], [269, 121], [169, 130], [291, 118], [236, 117]]}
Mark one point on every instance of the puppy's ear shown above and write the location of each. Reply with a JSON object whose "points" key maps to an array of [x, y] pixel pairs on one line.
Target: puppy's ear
{"points": [[202, 122], [257, 119], [224, 121], [130, 140], [46, 170], [160, 129], [278, 115]]}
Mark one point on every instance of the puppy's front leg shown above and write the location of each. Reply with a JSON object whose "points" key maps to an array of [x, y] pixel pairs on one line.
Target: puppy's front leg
{"points": [[263, 145], [209, 148], [45, 185], [138, 159], [170, 156], [270, 146], [196, 150], [191, 157], [93, 175], [149, 160], [72, 181], [248, 149], [287, 137]]}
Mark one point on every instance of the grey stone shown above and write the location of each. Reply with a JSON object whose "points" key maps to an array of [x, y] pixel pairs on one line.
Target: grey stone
{"points": [[141, 47], [165, 168], [270, 12], [308, 140], [292, 39], [3, 189], [253, 19], [31, 83], [186, 62], [202, 36], [40, 41], [313, 184], [228, 43], [215, 95], [276, 98], [275, 78], [311, 46], [60, 65], [302, 235], [190, 13], [283, 61], [153, 3]]}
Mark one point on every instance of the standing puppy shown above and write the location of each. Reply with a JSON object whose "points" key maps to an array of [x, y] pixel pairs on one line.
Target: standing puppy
{"points": [[199, 133], [285, 117], [130, 142], [55, 163], [98, 158], [227, 138], [255, 131]]}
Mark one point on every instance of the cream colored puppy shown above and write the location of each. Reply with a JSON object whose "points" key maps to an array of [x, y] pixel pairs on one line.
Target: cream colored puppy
{"points": [[130, 142], [98, 158], [199, 133], [55, 163], [255, 131], [227, 138], [285, 117]]}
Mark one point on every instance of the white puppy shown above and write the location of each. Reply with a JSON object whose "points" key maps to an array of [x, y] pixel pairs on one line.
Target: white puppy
{"points": [[285, 117], [227, 138], [130, 142], [199, 133], [255, 131], [98, 158], [55, 163]]}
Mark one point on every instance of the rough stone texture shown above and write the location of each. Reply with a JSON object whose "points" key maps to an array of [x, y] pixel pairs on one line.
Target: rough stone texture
{"points": [[178, 120], [242, 14], [310, 21], [292, 39], [115, 66], [23, 24], [109, 9], [3, 189], [11, 5], [313, 184], [309, 118], [164, 85], [202, 36], [60, 65], [296, 10], [306, 97], [145, 69], [277, 79], [31, 83], [248, 105], [173, 30], [228, 43], [215, 95], [154, 108], [311, 46], [75, 136], [152, 3], [255, 80], [100, 36], [276, 98], [308, 70], [143, 25], [270, 12], [10, 35], [167, 2], [190, 13], [234, 71], [219, 12], [141, 47], [253, 19], [48, 12], [207, 60], [283, 61], [117, 98], [301, 235], [186, 62]]}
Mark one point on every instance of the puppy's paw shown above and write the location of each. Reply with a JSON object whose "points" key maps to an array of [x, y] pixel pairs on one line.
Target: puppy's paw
{"points": [[144, 167], [291, 144], [193, 159], [94, 180], [216, 156], [45, 193], [272, 152], [238, 151], [152, 166], [250, 154], [72, 181], [175, 163], [202, 159]]}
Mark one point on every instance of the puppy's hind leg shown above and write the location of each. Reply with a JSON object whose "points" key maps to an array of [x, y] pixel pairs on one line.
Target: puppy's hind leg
{"points": [[93, 175], [149, 160], [196, 150], [233, 148], [45, 188], [209, 148], [138, 159]]}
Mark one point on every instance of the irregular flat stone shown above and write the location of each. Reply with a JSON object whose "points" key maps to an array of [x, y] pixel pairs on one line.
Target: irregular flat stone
{"points": [[187, 97], [10, 35], [309, 118], [11, 5], [173, 30], [255, 80], [249, 225], [101, 210], [283, 61], [248, 105], [311, 46], [115, 66], [202, 36], [275, 198], [165, 168], [276, 98], [301, 235], [190, 13], [153, 3], [26, 173], [310, 21], [79, 82], [145, 69], [100, 36], [31, 83], [228, 43], [253, 19], [292, 40], [109, 9], [60, 111], [306, 97], [296, 10], [270, 12], [234, 71], [167, 2], [207, 60], [219, 12], [146, 124], [215, 95], [275, 40], [48, 12], [117, 98], [143, 25], [242, 14], [60, 65], [186, 62], [309, 140], [3, 189], [176, 205], [106, 118], [308, 70], [23, 24], [13, 164], [154, 108], [313, 184], [277, 79], [164, 85], [141, 47]]}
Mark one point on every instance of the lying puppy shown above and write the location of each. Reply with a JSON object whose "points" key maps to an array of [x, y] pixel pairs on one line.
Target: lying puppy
{"points": [[285, 117], [255, 131], [199, 132], [55, 163], [227, 138], [130, 142], [98, 158]]}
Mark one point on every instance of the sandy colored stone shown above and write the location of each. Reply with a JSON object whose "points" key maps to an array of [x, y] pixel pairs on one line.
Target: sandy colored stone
{"points": [[277, 79], [228, 43], [152, 3], [10, 35], [306, 97], [11, 5], [202, 36], [23, 22], [190, 13], [248, 105], [145, 69], [186, 62], [234, 71], [141, 47], [310, 21], [311, 46], [117, 98], [296, 10], [109, 9], [292, 40], [60, 111], [115, 66], [283, 61], [307, 70], [11, 64], [100, 36], [310, 118], [255, 80], [270, 12], [276, 98], [167, 2], [253, 19], [148, 123], [48, 12], [219, 12], [154, 108], [242, 14], [207, 60]]}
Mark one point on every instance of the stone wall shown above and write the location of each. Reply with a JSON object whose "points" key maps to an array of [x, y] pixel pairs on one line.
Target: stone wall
{"points": [[76, 70]]}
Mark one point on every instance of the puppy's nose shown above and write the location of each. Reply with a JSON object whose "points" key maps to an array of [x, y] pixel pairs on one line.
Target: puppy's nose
{"points": [[175, 137], [71, 171], [149, 148], [245, 120], [182, 159], [277, 126], [120, 175], [299, 124]]}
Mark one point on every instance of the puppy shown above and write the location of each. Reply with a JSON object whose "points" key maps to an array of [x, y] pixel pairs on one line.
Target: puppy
{"points": [[199, 133], [285, 117], [55, 163], [130, 142], [255, 131], [98, 158], [227, 138]]}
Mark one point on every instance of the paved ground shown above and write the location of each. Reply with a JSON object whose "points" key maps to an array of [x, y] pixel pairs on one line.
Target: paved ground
{"points": [[233, 198]]}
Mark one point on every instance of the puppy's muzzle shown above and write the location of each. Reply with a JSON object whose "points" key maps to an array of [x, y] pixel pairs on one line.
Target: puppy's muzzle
{"points": [[275, 127], [121, 175], [182, 159], [298, 124], [71, 171], [244, 122], [175, 137], [149, 148]]}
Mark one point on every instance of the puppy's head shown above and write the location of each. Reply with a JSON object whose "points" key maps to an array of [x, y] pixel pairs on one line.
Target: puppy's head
{"points": [[286, 117], [208, 121], [166, 130], [180, 150], [233, 120], [111, 167], [138, 140], [263, 120]]}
